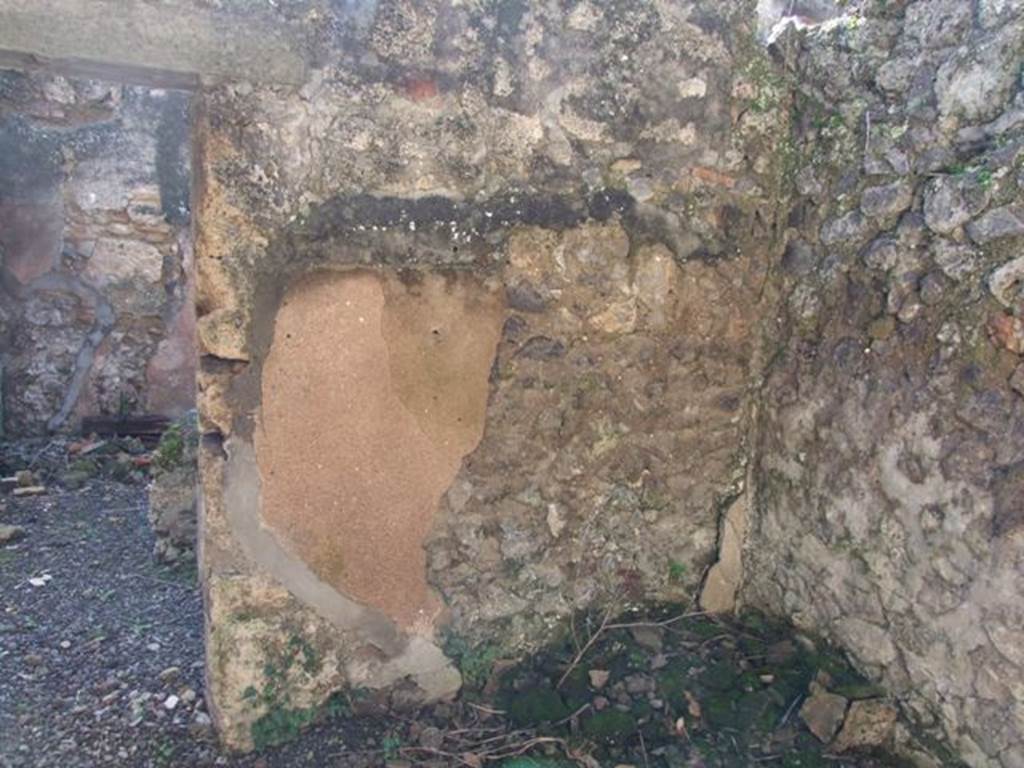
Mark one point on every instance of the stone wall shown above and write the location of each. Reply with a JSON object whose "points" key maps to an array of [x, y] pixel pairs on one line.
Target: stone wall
{"points": [[480, 312], [512, 310], [890, 464], [97, 314]]}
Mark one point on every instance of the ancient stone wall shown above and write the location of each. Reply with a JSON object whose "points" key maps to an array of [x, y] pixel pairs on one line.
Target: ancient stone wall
{"points": [[97, 313], [513, 309], [480, 307], [890, 464]]}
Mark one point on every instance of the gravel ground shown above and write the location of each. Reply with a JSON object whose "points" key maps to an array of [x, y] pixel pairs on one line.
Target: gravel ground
{"points": [[101, 665], [91, 655], [90, 658]]}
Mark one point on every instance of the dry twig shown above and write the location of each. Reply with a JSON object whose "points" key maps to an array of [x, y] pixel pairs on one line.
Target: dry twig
{"points": [[606, 627]]}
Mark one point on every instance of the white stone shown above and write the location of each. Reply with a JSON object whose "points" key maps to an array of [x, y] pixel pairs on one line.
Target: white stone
{"points": [[555, 520], [975, 84], [1007, 282], [693, 88]]}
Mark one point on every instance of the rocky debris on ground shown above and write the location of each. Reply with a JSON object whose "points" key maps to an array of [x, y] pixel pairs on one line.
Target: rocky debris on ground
{"points": [[823, 712], [36, 465], [9, 533], [863, 724], [80, 603], [173, 491], [22, 483], [672, 690], [869, 724], [107, 670]]}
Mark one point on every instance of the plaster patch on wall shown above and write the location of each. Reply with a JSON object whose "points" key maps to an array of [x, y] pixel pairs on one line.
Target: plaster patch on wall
{"points": [[373, 391]]}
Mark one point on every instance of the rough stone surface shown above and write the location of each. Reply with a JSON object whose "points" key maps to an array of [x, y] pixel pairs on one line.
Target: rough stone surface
{"points": [[723, 581], [94, 251], [778, 283], [823, 712], [870, 724], [1007, 283], [887, 512], [997, 224], [623, 223]]}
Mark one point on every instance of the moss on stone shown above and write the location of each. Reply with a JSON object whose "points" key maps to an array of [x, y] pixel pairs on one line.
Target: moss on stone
{"points": [[720, 676], [178, 445], [609, 726], [535, 762], [541, 705], [475, 662]]}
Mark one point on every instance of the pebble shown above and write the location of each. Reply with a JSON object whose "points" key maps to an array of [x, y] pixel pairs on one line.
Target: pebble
{"points": [[65, 644], [201, 726], [598, 678], [10, 533], [137, 705], [869, 724], [154, 647], [1006, 282], [648, 637], [171, 702], [823, 713], [170, 674], [639, 684], [887, 200], [950, 202]]}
